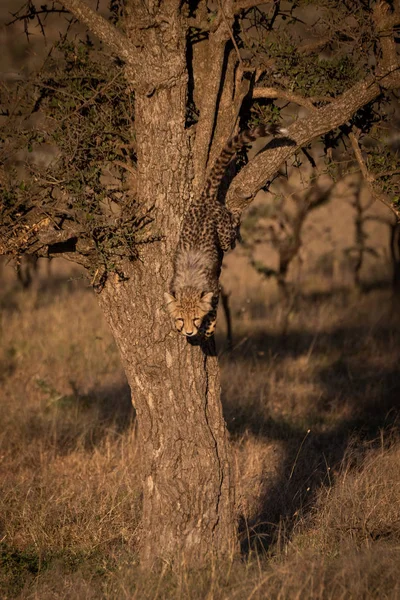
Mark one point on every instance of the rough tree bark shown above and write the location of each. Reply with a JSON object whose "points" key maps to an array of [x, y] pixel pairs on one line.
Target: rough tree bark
{"points": [[188, 493], [188, 501], [188, 487]]}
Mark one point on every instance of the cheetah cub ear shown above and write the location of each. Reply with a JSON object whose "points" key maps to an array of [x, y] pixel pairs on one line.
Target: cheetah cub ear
{"points": [[206, 301], [170, 302]]}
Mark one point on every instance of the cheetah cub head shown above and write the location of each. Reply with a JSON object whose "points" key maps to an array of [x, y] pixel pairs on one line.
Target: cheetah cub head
{"points": [[188, 307]]}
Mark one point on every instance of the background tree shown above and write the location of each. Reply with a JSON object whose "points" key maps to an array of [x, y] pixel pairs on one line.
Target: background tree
{"points": [[281, 225], [132, 136]]}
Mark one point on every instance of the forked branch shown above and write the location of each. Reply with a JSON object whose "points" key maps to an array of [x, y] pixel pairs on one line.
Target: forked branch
{"points": [[104, 30], [223, 90]]}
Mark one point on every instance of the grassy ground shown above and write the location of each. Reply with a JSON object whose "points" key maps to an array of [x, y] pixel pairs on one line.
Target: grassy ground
{"points": [[311, 397]]}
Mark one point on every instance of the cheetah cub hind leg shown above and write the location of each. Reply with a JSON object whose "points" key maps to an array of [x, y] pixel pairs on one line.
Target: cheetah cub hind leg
{"points": [[228, 231]]}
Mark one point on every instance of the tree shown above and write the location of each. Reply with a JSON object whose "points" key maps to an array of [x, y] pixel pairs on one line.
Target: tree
{"points": [[156, 114], [282, 229]]}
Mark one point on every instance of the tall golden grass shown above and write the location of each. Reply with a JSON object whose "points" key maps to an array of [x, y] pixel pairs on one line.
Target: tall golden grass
{"points": [[311, 394]]}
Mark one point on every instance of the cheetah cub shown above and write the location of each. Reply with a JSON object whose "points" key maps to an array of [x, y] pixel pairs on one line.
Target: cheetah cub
{"points": [[209, 229]]}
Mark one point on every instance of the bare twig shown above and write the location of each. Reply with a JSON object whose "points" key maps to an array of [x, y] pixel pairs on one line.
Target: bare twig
{"points": [[48, 11], [95, 95], [230, 32], [387, 173]]}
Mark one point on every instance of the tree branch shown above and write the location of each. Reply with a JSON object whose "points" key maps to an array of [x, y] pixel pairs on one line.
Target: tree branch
{"points": [[210, 72], [387, 76], [223, 92], [268, 92], [369, 178], [264, 166], [103, 29], [234, 90]]}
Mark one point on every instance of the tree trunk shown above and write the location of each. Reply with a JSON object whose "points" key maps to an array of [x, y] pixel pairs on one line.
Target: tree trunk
{"points": [[188, 502], [188, 493]]}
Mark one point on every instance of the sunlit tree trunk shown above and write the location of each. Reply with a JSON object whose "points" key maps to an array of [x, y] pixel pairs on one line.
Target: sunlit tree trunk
{"points": [[188, 501]]}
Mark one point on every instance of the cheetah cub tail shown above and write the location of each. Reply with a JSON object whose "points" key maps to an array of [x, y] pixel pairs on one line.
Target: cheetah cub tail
{"points": [[232, 147]]}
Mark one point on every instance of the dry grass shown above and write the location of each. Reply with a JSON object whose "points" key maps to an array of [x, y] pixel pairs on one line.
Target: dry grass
{"points": [[310, 397]]}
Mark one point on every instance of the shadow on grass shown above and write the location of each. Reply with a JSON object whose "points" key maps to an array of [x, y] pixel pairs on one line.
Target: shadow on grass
{"points": [[46, 289], [112, 406], [63, 421], [356, 401], [69, 422]]}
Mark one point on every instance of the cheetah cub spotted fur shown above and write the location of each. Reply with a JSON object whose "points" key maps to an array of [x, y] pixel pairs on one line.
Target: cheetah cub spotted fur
{"points": [[209, 229]]}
